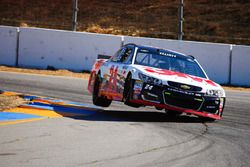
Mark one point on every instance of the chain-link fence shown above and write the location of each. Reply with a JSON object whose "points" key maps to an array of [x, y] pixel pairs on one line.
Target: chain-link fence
{"points": [[226, 21]]}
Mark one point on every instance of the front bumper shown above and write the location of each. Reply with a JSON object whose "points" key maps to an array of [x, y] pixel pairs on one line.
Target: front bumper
{"points": [[172, 98]]}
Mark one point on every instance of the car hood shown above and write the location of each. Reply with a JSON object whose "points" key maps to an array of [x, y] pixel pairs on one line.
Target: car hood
{"points": [[167, 75]]}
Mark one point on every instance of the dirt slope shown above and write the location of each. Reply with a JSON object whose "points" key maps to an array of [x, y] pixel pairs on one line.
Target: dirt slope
{"points": [[205, 20]]}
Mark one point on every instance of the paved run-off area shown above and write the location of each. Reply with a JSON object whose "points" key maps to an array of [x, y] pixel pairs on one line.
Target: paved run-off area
{"points": [[120, 135]]}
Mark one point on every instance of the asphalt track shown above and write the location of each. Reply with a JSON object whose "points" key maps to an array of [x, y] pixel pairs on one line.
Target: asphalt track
{"points": [[120, 135]]}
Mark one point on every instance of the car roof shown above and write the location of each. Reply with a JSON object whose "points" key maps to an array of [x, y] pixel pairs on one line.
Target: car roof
{"points": [[157, 50]]}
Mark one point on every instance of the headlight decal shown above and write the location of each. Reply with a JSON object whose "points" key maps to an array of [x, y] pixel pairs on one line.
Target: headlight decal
{"points": [[215, 92], [148, 79]]}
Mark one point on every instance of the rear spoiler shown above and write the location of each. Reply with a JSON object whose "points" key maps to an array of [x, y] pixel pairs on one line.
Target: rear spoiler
{"points": [[103, 56]]}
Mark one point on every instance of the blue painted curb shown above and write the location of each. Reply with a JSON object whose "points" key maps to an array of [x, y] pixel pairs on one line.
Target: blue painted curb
{"points": [[59, 108], [9, 116]]}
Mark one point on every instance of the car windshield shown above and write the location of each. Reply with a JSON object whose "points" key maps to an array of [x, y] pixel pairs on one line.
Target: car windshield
{"points": [[169, 61]]}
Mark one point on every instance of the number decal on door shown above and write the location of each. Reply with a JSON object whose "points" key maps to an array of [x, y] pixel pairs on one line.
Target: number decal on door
{"points": [[113, 78]]}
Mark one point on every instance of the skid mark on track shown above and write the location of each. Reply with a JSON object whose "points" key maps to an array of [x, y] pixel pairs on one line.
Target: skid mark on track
{"points": [[195, 148], [195, 137], [7, 154]]}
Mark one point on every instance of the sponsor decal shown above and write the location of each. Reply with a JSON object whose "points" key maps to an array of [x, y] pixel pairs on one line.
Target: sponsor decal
{"points": [[210, 82], [221, 104], [138, 85], [196, 78], [144, 50], [167, 54], [165, 72], [182, 92], [197, 99], [167, 93], [178, 74]]}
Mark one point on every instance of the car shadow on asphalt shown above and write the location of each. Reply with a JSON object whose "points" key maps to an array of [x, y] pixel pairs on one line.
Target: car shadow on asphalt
{"points": [[90, 113], [136, 116]]}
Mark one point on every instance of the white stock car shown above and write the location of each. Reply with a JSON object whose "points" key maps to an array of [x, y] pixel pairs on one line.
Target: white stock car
{"points": [[147, 76]]}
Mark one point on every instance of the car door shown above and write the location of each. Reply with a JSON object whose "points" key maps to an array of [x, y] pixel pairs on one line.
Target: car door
{"points": [[115, 73], [122, 71]]}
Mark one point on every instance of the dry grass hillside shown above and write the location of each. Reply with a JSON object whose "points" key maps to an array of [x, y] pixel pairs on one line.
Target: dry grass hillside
{"points": [[226, 21]]}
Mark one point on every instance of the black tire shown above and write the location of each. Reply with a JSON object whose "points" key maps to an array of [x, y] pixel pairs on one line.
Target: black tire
{"points": [[206, 119], [128, 92], [99, 100], [172, 113]]}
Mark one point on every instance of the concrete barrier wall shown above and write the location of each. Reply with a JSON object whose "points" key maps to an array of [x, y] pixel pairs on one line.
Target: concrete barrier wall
{"points": [[63, 49], [8, 45], [241, 65], [78, 51], [213, 57]]}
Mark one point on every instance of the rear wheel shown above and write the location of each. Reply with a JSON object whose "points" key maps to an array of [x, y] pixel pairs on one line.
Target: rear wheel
{"points": [[99, 100]]}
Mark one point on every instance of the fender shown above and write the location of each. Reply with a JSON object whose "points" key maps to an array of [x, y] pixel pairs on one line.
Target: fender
{"points": [[94, 71]]}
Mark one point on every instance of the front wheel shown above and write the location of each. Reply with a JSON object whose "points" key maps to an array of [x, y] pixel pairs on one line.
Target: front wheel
{"points": [[99, 100], [172, 113], [129, 91], [206, 119]]}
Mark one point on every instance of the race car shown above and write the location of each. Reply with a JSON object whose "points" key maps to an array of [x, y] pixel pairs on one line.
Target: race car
{"points": [[147, 76]]}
